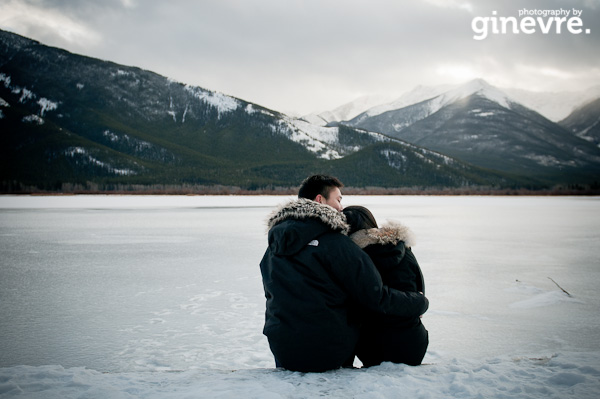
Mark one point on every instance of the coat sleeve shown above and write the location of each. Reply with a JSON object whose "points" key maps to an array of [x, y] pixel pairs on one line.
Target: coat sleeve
{"points": [[356, 273], [414, 265]]}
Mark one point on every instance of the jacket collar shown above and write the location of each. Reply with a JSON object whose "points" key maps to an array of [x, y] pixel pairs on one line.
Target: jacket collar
{"points": [[303, 208], [391, 233]]}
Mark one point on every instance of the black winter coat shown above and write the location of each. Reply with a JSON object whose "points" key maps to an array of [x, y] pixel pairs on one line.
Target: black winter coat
{"points": [[316, 280], [386, 337], [389, 247]]}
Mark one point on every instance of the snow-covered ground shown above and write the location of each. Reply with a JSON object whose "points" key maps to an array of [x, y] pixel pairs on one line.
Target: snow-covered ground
{"points": [[574, 375], [160, 297]]}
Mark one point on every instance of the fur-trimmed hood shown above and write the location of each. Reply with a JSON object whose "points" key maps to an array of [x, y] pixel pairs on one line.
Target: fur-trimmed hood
{"points": [[390, 233], [303, 208]]}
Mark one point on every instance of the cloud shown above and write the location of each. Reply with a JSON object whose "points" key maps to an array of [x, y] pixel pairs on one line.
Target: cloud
{"points": [[465, 5], [300, 56], [31, 20]]}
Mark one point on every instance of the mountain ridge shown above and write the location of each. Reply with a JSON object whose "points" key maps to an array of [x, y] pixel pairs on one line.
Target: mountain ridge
{"points": [[72, 120], [484, 126], [553, 105]]}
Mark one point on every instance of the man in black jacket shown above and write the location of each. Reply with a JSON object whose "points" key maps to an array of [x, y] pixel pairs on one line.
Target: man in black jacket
{"points": [[316, 279]]}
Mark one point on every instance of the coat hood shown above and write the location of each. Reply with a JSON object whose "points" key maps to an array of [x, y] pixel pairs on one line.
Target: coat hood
{"points": [[296, 224], [303, 208], [390, 233]]}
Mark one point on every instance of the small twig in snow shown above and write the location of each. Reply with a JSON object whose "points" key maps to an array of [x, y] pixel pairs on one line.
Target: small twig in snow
{"points": [[565, 291]]}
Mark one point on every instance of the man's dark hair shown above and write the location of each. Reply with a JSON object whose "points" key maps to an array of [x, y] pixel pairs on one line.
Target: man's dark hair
{"points": [[318, 184]]}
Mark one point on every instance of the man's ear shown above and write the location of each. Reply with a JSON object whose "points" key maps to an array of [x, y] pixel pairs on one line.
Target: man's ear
{"points": [[319, 198]]}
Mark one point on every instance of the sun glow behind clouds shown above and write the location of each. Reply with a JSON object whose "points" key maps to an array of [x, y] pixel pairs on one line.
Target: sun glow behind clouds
{"points": [[457, 72], [129, 3], [555, 73], [14, 15], [463, 5], [545, 78]]}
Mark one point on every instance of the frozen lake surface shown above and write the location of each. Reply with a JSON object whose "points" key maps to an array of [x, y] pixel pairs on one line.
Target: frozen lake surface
{"points": [[116, 296]]}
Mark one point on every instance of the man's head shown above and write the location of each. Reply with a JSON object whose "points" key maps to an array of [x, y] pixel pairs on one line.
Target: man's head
{"points": [[323, 189]]}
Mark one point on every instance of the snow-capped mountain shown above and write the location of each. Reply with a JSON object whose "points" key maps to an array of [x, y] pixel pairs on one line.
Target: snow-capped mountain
{"points": [[346, 111], [481, 124], [555, 106], [418, 94], [434, 98], [70, 119], [394, 117], [584, 122]]}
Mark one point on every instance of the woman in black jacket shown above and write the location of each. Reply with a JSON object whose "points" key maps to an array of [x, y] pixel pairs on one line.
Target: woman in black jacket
{"points": [[385, 337]]}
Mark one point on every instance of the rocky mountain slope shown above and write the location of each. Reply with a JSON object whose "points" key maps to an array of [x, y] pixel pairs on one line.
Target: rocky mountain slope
{"points": [[555, 106], [584, 122], [68, 119], [482, 125]]}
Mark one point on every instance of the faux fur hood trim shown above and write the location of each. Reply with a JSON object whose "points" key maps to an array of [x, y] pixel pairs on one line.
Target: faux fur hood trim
{"points": [[390, 233], [303, 208]]}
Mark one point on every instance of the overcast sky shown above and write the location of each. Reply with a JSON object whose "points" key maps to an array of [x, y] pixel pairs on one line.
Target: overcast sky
{"points": [[302, 56]]}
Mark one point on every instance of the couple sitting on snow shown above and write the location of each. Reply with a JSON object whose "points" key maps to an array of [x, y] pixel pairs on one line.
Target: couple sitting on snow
{"points": [[337, 286]]}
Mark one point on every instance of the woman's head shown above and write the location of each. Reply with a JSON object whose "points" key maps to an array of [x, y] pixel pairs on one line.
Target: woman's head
{"points": [[359, 218]]}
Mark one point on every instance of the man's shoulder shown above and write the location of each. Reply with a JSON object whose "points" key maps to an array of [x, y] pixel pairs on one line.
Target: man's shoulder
{"points": [[335, 239]]}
